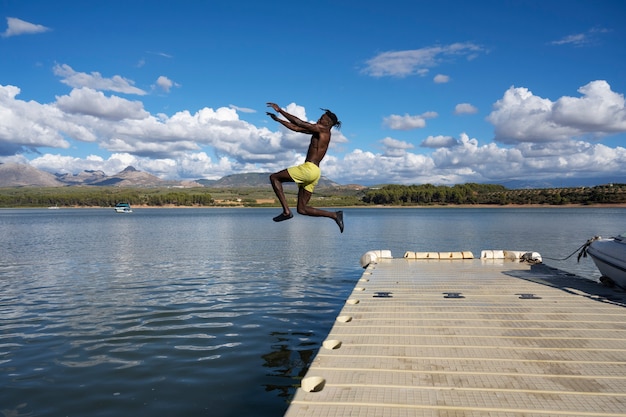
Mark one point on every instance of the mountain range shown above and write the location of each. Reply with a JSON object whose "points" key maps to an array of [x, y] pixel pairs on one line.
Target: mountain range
{"points": [[24, 175]]}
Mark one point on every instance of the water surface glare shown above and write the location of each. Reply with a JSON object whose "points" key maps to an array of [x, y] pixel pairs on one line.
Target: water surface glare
{"points": [[214, 312]]}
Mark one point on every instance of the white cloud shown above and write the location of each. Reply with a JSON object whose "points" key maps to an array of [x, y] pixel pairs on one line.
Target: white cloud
{"points": [[86, 101], [394, 147], [123, 126], [520, 116], [469, 161], [441, 79], [490, 163], [211, 143], [395, 143], [580, 39], [187, 166], [241, 109], [63, 164], [417, 61], [185, 131], [28, 125], [200, 165], [465, 108], [576, 158], [165, 83], [161, 54], [439, 142], [408, 122], [363, 167], [483, 161], [577, 39], [600, 111], [95, 81], [16, 27]]}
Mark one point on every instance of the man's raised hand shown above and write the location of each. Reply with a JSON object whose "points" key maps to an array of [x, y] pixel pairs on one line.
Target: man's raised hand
{"points": [[274, 106]]}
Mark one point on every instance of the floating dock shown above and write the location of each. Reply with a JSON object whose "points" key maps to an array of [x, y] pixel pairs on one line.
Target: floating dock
{"points": [[444, 334]]}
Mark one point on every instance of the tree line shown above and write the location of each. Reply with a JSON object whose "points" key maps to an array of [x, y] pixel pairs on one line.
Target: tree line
{"points": [[102, 197], [471, 193], [392, 195]]}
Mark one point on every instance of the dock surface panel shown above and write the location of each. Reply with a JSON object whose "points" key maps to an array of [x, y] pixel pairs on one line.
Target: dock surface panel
{"points": [[470, 337]]}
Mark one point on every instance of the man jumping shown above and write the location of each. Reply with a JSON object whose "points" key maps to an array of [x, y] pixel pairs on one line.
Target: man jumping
{"points": [[308, 174]]}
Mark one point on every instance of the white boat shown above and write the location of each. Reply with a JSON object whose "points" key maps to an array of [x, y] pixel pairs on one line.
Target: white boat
{"points": [[609, 255], [123, 208]]}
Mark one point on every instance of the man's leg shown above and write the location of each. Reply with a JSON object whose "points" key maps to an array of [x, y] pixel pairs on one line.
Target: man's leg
{"points": [[277, 179], [304, 197]]}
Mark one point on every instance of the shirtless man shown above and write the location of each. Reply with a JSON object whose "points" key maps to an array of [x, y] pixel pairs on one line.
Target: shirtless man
{"points": [[308, 174]]}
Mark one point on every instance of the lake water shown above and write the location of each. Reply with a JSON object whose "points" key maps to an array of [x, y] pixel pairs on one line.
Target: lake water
{"points": [[213, 312]]}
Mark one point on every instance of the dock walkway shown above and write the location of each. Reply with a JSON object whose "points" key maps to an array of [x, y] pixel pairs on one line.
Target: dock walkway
{"points": [[470, 337]]}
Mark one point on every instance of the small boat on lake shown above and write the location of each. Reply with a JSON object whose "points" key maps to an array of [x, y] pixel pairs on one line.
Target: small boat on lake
{"points": [[123, 208], [609, 255]]}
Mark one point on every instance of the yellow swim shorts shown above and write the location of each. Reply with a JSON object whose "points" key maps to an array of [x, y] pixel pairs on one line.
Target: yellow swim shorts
{"points": [[306, 175]]}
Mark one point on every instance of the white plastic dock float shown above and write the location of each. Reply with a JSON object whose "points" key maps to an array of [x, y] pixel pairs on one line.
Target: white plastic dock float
{"points": [[458, 336]]}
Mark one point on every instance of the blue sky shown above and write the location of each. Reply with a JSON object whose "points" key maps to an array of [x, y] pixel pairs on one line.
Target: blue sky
{"points": [[441, 92]]}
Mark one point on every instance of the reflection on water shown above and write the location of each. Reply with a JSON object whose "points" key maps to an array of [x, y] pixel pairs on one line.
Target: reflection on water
{"points": [[210, 311], [286, 363]]}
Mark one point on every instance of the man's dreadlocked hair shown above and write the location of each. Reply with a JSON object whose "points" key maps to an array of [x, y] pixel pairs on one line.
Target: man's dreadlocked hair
{"points": [[333, 118]]}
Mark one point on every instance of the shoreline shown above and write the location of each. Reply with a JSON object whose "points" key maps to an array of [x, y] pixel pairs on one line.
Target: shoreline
{"points": [[379, 206], [439, 206], [609, 205]]}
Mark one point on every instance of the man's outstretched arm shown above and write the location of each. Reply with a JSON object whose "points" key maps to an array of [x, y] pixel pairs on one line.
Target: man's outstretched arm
{"points": [[293, 123], [289, 125]]}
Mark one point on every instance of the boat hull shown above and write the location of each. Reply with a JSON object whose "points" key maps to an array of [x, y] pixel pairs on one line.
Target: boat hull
{"points": [[123, 208], [609, 255]]}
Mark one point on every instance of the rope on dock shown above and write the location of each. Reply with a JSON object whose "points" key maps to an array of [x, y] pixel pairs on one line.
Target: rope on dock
{"points": [[583, 248]]}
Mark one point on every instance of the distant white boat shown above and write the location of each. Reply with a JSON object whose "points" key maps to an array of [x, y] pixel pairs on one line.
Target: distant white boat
{"points": [[609, 255], [55, 207], [123, 208]]}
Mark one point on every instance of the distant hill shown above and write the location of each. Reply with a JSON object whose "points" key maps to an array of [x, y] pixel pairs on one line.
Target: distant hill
{"points": [[254, 180], [238, 180], [23, 175], [130, 177], [82, 178]]}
